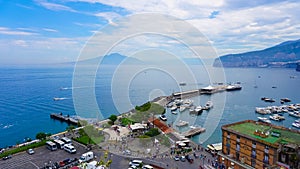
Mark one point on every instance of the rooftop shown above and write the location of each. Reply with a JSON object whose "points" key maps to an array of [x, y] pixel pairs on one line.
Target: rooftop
{"points": [[265, 132]]}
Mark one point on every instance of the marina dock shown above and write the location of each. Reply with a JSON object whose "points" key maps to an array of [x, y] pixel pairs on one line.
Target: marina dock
{"points": [[193, 132], [67, 119], [206, 90]]}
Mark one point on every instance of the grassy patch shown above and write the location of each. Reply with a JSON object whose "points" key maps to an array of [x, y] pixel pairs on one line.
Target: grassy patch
{"points": [[85, 139], [23, 148], [89, 135], [126, 121], [140, 115]]}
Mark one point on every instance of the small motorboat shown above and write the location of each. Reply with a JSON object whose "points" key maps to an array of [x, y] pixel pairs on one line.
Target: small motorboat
{"points": [[182, 123], [264, 119]]}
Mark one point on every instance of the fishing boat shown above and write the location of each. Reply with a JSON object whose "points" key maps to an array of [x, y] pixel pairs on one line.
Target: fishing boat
{"points": [[264, 119], [182, 123]]}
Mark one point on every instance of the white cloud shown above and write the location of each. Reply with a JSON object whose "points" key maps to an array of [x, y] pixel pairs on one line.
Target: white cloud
{"points": [[50, 30], [238, 23], [54, 6], [8, 31]]}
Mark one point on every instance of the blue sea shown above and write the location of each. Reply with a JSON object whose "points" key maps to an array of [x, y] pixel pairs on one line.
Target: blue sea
{"points": [[26, 95]]}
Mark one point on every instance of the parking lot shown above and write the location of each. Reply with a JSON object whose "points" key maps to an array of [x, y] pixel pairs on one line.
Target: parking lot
{"points": [[40, 158]]}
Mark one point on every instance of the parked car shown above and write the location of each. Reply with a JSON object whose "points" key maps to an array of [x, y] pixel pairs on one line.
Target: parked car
{"points": [[182, 158], [30, 151], [176, 158], [6, 157]]}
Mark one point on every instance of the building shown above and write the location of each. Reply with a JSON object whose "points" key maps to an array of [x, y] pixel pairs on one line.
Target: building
{"points": [[250, 144]]}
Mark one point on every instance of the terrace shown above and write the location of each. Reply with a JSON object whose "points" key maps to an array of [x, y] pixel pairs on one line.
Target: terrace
{"points": [[265, 132]]}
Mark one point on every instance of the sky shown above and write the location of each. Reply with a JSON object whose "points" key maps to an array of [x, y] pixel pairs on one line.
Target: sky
{"points": [[56, 31]]}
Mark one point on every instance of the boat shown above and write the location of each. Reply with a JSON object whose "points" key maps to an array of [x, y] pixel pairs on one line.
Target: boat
{"points": [[297, 125], [182, 84], [174, 112], [163, 117], [233, 87], [208, 105], [269, 100], [182, 108], [58, 98], [285, 100], [297, 121], [264, 119], [295, 114], [188, 102], [182, 123], [261, 110], [277, 117], [173, 108]]}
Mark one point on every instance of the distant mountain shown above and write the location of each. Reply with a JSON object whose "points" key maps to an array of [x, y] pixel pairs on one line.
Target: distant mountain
{"points": [[286, 54], [113, 59]]}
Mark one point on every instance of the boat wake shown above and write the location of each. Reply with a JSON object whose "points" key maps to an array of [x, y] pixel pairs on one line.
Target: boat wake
{"points": [[7, 126], [71, 88]]}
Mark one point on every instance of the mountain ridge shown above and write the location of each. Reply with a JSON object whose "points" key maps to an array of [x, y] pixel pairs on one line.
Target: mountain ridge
{"points": [[285, 54]]}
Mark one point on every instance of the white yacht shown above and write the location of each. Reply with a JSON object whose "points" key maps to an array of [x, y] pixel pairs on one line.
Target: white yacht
{"points": [[264, 119]]}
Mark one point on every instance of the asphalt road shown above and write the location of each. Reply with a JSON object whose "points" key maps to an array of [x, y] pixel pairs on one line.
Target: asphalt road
{"points": [[41, 157]]}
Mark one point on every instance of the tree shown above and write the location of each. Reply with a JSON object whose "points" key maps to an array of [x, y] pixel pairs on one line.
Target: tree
{"points": [[41, 136], [113, 118]]}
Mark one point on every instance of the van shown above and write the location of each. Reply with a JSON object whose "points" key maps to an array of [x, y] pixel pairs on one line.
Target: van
{"points": [[136, 163], [60, 144], [66, 140], [86, 157], [51, 146], [70, 148]]}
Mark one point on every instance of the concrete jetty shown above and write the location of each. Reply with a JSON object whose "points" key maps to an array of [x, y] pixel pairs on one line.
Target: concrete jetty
{"points": [[67, 119], [206, 90], [193, 132]]}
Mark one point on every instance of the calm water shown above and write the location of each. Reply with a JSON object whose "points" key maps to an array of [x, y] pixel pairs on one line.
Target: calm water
{"points": [[26, 96]]}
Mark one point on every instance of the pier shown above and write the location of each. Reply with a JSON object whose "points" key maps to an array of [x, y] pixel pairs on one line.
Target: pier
{"points": [[206, 90], [193, 132], [67, 119]]}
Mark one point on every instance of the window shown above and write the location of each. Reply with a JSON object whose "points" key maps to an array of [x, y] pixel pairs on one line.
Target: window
{"points": [[266, 159], [238, 147], [253, 163], [228, 135], [253, 144], [266, 149], [253, 153], [237, 154], [237, 138], [228, 150]]}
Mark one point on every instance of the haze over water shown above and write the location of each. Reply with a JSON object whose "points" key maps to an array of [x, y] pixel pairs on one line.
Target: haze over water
{"points": [[26, 96]]}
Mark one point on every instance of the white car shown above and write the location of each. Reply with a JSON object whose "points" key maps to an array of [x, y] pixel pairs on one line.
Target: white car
{"points": [[30, 151]]}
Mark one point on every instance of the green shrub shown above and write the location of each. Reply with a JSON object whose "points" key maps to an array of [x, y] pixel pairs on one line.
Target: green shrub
{"points": [[152, 132]]}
